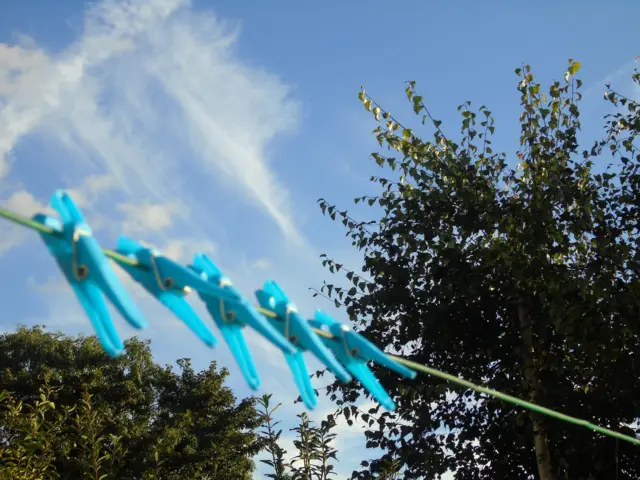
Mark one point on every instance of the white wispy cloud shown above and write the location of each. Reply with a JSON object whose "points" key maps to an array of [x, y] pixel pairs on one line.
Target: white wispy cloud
{"points": [[21, 201], [24, 203], [184, 249], [262, 264], [149, 217], [92, 188], [623, 72], [149, 88]]}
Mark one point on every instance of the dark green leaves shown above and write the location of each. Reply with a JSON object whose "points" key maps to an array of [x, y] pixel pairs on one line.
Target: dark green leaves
{"points": [[464, 237], [119, 418]]}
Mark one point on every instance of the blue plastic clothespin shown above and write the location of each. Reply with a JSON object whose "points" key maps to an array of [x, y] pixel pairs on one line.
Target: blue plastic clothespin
{"points": [[354, 351], [231, 318], [87, 270], [297, 330], [167, 281]]}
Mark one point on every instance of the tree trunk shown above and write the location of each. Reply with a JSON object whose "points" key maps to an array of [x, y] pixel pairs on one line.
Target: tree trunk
{"points": [[543, 456]]}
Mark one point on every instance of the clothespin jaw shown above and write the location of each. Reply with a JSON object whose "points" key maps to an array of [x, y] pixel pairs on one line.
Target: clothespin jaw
{"points": [[232, 316], [354, 351], [296, 328], [301, 376], [87, 270], [162, 287]]}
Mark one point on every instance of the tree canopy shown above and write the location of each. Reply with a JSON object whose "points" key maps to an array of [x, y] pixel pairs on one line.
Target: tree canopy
{"points": [[70, 411], [518, 272]]}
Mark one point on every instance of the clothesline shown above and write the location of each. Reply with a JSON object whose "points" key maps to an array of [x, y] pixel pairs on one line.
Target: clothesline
{"points": [[132, 262]]}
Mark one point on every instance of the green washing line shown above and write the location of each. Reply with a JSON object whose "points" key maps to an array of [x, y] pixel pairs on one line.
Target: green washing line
{"points": [[515, 400], [26, 222]]}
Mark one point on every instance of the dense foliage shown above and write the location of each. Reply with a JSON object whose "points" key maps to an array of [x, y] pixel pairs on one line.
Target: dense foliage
{"points": [[69, 411], [519, 273]]}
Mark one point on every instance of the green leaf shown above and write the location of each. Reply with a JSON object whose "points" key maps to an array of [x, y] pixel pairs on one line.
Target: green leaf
{"points": [[417, 104], [409, 93], [574, 67]]}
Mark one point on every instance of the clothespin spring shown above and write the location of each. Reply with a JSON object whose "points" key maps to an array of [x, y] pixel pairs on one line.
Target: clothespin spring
{"points": [[287, 321], [80, 271], [227, 316], [351, 352], [166, 284]]}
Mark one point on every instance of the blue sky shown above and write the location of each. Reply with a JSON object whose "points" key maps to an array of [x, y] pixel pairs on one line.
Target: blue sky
{"points": [[216, 126]]}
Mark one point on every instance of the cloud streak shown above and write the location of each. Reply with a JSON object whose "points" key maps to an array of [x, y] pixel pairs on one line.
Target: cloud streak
{"points": [[154, 95]]}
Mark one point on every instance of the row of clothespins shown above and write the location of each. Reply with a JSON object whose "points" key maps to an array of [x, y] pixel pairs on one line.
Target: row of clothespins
{"points": [[87, 269]]}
